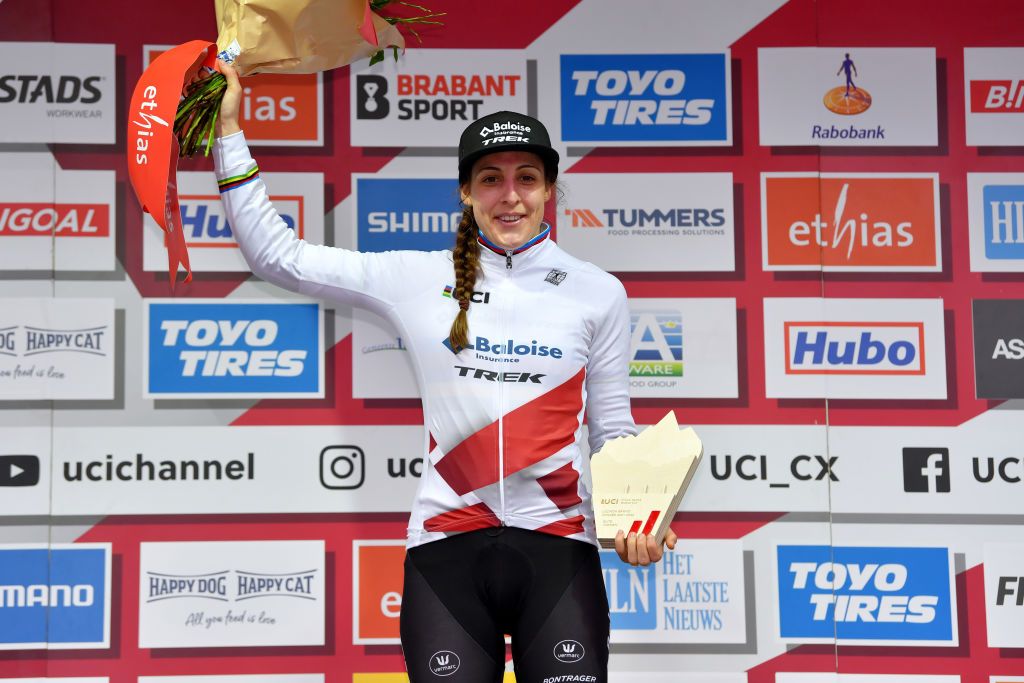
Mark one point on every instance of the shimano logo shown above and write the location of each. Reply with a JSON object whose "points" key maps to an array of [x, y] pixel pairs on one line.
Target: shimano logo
{"points": [[865, 348], [569, 651], [413, 221], [444, 663], [44, 595], [31, 88]]}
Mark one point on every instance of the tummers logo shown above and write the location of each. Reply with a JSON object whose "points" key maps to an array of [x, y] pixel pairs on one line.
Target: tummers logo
{"points": [[219, 349], [656, 344], [55, 597], [231, 593], [850, 222], [866, 595], [72, 102], [674, 99], [444, 663], [406, 213]]}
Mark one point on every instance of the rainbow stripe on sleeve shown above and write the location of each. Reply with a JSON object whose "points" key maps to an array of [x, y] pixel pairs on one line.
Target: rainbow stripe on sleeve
{"points": [[238, 180]]}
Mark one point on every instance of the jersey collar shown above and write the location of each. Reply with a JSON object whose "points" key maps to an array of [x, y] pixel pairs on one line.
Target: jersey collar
{"points": [[542, 236]]}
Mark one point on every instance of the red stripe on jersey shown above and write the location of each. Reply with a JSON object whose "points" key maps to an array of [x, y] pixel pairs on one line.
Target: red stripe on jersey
{"points": [[561, 486], [533, 431], [477, 516], [433, 443], [564, 527]]}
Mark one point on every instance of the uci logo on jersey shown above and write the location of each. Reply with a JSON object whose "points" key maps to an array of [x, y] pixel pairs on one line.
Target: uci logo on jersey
{"points": [[866, 594], [673, 98], [217, 349]]}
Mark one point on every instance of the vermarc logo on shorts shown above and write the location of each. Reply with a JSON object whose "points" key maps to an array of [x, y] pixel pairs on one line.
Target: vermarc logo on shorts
{"points": [[569, 651], [444, 663]]}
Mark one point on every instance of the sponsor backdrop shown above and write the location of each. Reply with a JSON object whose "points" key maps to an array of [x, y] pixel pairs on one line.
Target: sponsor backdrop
{"points": [[817, 211]]}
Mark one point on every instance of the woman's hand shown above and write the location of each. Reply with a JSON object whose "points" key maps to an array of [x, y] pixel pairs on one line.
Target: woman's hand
{"points": [[227, 119], [640, 549]]}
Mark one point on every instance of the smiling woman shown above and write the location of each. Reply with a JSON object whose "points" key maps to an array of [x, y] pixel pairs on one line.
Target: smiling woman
{"points": [[501, 538]]}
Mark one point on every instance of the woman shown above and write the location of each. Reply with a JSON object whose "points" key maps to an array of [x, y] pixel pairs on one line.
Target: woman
{"points": [[501, 537]]}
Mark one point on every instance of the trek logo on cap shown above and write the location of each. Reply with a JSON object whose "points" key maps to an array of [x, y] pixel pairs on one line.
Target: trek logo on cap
{"points": [[504, 133]]}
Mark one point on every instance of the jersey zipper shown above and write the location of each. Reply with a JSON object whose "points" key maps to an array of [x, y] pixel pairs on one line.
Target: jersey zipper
{"points": [[501, 399]]}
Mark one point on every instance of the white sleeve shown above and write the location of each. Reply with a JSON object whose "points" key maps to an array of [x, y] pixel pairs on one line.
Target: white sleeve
{"points": [[608, 411], [277, 255]]}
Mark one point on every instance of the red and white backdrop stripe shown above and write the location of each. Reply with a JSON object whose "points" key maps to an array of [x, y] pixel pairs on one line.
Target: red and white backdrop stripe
{"points": [[817, 209]]}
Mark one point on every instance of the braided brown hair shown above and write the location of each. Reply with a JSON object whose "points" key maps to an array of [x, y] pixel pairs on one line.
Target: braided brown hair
{"points": [[466, 256]]}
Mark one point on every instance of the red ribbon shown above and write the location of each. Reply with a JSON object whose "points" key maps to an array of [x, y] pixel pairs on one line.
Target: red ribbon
{"points": [[152, 147]]}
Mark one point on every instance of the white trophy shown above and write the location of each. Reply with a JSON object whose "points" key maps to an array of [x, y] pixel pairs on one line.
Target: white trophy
{"points": [[639, 481]]}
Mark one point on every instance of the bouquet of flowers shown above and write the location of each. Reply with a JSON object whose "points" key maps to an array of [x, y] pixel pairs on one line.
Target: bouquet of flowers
{"points": [[176, 101]]}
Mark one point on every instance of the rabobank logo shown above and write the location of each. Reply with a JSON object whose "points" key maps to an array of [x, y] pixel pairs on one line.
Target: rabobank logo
{"points": [[55, 597], [406, 213], [866, 595], [1004, 221], [220, 349], [656, 344], [632, 594], [659, 98]]}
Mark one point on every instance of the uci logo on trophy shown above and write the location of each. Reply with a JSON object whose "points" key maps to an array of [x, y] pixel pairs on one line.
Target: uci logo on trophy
{"points": [[847, 99]]}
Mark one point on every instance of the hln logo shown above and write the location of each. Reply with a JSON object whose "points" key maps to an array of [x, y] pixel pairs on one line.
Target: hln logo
{"points": [[926, 470], [632, 599], [656, 344], [1004, 221]]}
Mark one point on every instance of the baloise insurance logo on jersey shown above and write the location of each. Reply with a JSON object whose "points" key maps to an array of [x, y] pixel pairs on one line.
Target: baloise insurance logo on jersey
{"points": [[673, 99], [866, 595], [223, 349], [406, 213], [55, 597]]}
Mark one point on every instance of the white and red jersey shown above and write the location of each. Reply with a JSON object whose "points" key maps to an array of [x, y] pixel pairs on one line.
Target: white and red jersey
{"points": [[549, 337]]}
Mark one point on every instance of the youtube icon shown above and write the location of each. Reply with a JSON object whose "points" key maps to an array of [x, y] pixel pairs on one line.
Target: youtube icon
{"points": [[19, 470]]}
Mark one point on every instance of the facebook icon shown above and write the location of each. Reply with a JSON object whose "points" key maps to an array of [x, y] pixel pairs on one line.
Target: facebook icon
{"points": [[926, 470]]}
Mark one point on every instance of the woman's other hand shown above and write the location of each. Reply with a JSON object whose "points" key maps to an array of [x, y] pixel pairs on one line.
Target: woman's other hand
{"points": [[227, 120], [641, 549]]}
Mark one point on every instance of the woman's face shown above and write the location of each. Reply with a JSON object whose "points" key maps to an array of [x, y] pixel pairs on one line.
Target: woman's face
{"points": [[507, 191]]}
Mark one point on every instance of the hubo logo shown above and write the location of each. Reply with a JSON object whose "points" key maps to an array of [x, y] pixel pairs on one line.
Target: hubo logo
{"points": [[867, 595], [926, 470], [35, 219], [406, 213], [444, 663], [1004, 221], [847, 99], [656, 344], [27, 341], [632, 593], [879, 348], [569, 651], [206, 226], [669, 98], [851, 222], [55, 597], [506, 351], [217, 349], [630, 221]]}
